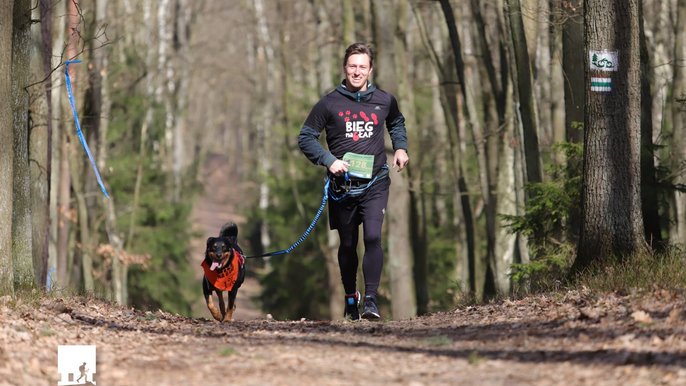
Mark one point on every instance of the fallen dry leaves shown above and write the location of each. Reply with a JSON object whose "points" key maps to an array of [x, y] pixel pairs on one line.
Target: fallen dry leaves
{"points": [[573, 338]]}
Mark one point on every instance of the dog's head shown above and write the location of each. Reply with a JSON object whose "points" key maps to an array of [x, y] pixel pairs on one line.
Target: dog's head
{"points": [[219, 252]]}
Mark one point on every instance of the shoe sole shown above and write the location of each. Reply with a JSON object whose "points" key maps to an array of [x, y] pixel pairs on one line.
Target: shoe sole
{"points": [[371, 316]]}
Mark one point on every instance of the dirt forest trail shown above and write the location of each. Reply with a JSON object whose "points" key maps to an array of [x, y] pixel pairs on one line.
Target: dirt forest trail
{"points": [[570, 339]]}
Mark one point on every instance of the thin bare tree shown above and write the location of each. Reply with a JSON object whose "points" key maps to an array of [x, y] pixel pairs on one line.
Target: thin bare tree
{"points": [[6, 149], [21, 208], [678, 157]]}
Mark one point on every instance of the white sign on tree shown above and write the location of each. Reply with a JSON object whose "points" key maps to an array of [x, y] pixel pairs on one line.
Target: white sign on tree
{"points": [[604, 60]]}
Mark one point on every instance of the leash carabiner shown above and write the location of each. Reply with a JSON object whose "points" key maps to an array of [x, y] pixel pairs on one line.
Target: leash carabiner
{"points": [[348, 184]]}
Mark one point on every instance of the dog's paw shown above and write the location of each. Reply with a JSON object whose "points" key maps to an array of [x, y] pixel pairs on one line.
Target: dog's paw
{"points": [[229, 314]]}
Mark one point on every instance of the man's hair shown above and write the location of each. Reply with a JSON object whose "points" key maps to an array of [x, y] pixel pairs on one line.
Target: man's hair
{"points": [[359, 48]]}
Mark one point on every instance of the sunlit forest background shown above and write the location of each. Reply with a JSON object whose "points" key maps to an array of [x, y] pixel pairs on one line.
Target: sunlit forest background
{"points": [[493, 92]]}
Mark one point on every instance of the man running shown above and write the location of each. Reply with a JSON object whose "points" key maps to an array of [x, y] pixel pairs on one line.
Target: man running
{"points": [[353, 116]]}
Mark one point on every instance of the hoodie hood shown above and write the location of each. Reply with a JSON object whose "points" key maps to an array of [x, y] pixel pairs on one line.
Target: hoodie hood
{"points": [[357, 96]]}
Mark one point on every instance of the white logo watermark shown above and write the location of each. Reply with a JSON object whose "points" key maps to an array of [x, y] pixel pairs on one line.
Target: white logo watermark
{"points": [[76, 365]]}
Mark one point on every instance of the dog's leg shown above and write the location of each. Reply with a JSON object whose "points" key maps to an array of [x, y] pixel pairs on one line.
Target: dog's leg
{"points": [[232, 305], [229, 313], [222, 305], [207, 292]]}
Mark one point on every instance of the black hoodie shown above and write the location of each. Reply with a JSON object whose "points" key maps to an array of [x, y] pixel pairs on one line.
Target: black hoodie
{"points": [[354, 123]]}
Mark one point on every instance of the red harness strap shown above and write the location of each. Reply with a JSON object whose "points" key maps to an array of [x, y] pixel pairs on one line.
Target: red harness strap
{"points": [[224, 278]]}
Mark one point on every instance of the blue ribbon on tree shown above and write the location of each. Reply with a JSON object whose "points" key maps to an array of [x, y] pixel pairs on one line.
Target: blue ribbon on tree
{"points": [[78, 127]]}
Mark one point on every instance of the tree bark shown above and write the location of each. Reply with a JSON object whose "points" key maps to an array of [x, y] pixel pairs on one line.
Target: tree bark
{"points": [[399, 259], [348, 22], [526, 100], [21, 210], [612, 225], [64, 194], [649, 188], [265, 63], [572, 55], [39, 134], [557, 82], [6, 149], [677, 232], [325, 68], [57, 128]]}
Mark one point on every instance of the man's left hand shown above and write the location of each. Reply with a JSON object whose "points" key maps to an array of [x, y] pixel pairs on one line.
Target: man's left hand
{"points": [[400, 159]]}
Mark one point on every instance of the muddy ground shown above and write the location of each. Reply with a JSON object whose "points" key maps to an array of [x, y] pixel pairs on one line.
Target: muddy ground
{"points": [[568, 339]]}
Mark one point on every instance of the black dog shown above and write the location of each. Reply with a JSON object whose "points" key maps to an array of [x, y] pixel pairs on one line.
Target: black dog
{"points": [[224, 267]]}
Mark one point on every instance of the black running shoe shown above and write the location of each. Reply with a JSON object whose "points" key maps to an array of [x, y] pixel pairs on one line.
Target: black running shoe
{"points": [[352, 302], [371, 311]]}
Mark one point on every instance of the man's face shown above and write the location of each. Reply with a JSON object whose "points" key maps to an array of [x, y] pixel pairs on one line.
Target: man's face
{"points": [[357, 72]]}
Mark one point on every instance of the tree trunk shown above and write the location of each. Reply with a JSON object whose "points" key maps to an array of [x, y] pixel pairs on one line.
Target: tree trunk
{"points": [[57, 128], [464, 226], [265, 64], [39, 140], [649, 188], [101, 62], [571, 13], [557, 81], [473, 97], [64, 194], [87, 247], [511, 183], [511, 247], [677, 231], [336, 291], [612, 225], [183, 142], [6, 149], [348, 22], [572, 55], [21, 209], [399, 259], [325, 66], [526, 100]]}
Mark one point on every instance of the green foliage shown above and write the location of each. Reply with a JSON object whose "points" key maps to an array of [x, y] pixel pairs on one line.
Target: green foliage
{"points": [[545, 273], [553, 202], [550, 214]]}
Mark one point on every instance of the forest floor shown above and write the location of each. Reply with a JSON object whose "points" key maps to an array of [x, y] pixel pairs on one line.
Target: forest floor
{"points": [[568, 338], [571, 338]]}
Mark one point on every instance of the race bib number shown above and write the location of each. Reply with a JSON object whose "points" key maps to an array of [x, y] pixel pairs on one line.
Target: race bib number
{"points": [[359, 165]]}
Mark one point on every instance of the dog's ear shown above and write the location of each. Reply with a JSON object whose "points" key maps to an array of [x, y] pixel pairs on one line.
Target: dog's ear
{"points": [[210, 244]]}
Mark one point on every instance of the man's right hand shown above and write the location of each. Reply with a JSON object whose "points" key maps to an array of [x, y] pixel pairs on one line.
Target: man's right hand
{"points": [[338, 167]]}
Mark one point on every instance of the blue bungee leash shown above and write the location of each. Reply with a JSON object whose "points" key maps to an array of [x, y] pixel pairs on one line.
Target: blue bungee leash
{"points": [[78, 127], [349, 192], [307, 231]]}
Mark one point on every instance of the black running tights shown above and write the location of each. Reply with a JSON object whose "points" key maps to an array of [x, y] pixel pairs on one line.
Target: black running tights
{"points": [[372, 262]]}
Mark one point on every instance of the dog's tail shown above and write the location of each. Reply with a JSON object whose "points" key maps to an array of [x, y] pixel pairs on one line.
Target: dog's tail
{"points": [[230, 230]]}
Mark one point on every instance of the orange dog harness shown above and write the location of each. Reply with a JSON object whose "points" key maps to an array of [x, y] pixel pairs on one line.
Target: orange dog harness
{"points": [[224, 278]]}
